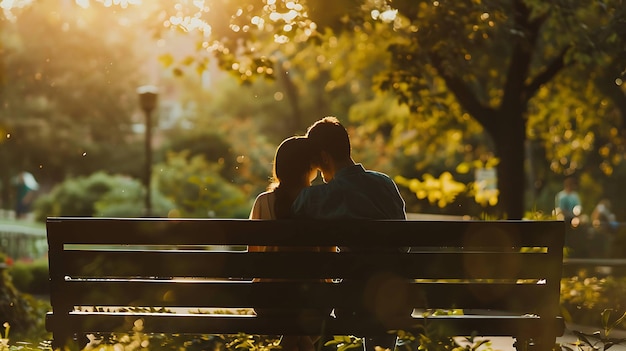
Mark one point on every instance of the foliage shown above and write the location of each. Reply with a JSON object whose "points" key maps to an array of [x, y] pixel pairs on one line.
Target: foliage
{"points": [[492, 65], [197, 189], [21, 311], [214, 147], [584, 298], [126, 198], [442, 190], [441, 83], [66, 101], [31, 277], [434, 339], [99, 194], [345, 342], [599, 340]]}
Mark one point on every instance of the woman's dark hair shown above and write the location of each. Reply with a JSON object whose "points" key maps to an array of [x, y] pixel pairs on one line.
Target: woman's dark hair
{"points": [[292, 166]]}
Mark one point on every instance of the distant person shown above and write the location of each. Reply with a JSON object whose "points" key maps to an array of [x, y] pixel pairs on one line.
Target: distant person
{"points": [[567, 202], [603, 226], [349, 191], [27, 187], [602, 216]]}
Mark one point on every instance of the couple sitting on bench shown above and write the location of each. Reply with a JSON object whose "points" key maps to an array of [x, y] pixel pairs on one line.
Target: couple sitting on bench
{"points": [[348, 191]]}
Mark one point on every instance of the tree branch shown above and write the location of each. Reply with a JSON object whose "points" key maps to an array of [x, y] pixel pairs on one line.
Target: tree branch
{"points": [[554, 67], [464, 95]]}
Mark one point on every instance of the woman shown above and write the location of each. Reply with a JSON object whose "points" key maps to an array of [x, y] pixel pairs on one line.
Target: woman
{"points": [[293, 171]]}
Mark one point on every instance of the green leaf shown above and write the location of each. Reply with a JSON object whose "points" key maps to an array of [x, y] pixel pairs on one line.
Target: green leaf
{"points": [[605, 315]]}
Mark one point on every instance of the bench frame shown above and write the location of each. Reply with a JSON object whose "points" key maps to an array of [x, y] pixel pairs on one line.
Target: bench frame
{"points": [[505, 275]]}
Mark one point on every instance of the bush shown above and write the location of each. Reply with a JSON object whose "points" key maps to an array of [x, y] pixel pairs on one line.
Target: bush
{"points": [[99, 194], [583, 299], [31, 277], [127, 199], [197, 189], [183, 187], [21, 311]]}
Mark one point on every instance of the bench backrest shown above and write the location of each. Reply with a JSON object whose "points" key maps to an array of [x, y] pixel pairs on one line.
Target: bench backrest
{"points": [[507, 266]]}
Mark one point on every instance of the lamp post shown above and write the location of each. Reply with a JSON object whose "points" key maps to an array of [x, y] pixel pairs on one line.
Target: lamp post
{"points": [[148, 100]]}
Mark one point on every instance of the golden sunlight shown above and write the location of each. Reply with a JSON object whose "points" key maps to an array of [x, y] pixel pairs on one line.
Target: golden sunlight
{"points": [[8, 5], [109, 3]]}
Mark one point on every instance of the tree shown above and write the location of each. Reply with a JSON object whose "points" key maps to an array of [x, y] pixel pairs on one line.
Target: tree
{"points": [[68, 94], [197, 189], [494, 57], [497, 63]]}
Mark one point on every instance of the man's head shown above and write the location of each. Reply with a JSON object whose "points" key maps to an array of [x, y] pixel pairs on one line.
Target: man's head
{"points": [[331, 143], [569, 184]]}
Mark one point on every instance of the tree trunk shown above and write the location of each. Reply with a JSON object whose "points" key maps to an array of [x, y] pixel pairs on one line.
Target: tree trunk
{"points": [[509, 143]]}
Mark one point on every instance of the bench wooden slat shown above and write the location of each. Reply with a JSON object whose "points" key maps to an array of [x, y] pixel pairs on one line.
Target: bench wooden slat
{"points": [[466, 325], [504, 296], [382, 233], [307, 265]]}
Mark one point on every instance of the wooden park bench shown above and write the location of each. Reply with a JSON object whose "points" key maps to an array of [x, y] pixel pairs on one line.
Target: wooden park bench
{"points": [[107, 274]]}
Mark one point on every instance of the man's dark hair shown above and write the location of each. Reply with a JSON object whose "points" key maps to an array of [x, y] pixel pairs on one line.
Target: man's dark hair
{"points": [[329, 135]]}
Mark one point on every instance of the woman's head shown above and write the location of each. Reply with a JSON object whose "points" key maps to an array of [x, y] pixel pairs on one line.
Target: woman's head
{"points": [[293, 163], [293, 171]]}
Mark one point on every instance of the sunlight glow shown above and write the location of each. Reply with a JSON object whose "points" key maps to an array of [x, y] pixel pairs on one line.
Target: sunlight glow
{"points": [[8, 5], [122, 3], [189, 23], [386, 16], [281, 39], [82, 3]]}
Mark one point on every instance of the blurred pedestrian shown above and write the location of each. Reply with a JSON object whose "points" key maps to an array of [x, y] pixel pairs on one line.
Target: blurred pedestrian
{"points": [[567, 203], [567, 207], [27, 187], [603, 226]]}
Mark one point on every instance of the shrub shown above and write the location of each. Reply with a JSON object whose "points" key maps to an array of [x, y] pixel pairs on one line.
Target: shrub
{"points": [[197, 189], [583, 299], [21, 311], [31, 277], [99, 194]]}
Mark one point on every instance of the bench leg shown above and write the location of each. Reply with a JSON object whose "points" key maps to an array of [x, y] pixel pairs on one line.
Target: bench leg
{"points": [[521, 344], [68, 341], [543, 344], [535, 344], [64, 341]]}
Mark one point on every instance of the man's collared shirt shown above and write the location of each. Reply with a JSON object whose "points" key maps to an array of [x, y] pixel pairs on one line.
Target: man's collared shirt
{"points": [[354, 192]]}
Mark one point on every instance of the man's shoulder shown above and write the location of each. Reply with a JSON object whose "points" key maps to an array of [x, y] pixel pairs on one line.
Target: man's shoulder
{"points": [[378, 174]]}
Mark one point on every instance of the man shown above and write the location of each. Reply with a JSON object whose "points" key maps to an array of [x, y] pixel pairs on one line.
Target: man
{"points": [[350, 191]]}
